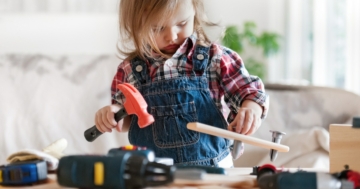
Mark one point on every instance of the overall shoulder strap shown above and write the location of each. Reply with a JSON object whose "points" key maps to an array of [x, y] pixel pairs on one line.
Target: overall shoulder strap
{"points": [[140, 70], [200, 58]]}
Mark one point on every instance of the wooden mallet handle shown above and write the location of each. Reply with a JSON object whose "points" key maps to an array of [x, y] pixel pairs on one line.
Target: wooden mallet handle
{"points": [[211, 130]]}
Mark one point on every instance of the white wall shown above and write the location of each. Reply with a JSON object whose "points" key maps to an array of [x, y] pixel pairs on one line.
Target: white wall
{"points": [[60, 33], [236, 12], [102, 27], [70, 32]]}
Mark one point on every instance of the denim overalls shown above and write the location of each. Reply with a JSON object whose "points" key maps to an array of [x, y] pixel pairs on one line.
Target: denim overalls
{"points": [[174, 103]]}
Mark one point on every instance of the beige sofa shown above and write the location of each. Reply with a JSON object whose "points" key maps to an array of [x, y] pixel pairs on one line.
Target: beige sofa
{"points": [[304, 113], [46, 98]]}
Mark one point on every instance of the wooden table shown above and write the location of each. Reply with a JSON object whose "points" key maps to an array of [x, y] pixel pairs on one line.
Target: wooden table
{"points": [[234, 179], [50, 183]]}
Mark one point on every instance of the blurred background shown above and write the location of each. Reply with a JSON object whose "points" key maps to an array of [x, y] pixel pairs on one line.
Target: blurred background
{"points": [[58, 58], [317, 41]]}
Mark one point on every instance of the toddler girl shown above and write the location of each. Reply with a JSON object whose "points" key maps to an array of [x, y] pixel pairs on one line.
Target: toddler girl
{"points": [[182, 77]]}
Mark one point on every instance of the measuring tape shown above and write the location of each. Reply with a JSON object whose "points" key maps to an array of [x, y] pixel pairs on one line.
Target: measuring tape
{"points": [[20, 173]]}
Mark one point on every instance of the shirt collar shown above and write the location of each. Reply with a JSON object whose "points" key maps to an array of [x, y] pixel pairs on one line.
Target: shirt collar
{"points": [[186, 47]]}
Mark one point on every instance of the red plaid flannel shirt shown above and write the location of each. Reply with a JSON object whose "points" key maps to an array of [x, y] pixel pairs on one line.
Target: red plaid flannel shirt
{"points": [[226, 74]]}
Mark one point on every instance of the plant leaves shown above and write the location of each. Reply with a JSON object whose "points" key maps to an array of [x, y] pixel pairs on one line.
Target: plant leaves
{"points": [[232, 39], [267, 42]]}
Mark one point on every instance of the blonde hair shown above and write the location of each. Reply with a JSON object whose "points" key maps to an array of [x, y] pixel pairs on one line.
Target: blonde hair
{"points": [[136, 16]]}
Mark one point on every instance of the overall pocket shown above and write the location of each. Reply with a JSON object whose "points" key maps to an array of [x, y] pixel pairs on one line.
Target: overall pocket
{"points": [[169, 128]]}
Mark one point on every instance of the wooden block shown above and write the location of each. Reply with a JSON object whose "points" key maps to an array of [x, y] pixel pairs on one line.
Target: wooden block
{"points": [[344, 147]]}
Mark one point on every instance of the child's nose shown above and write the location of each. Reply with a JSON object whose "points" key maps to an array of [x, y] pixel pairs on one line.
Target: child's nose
{"points": [[171, 34]]}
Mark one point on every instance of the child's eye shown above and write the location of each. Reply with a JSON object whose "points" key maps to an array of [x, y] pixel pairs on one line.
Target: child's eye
{"points": [[158, 29], [182, 23]]}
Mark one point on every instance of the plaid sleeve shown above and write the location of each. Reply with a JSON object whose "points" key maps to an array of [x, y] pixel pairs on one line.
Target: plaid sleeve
{"points": [[116, 95], [239, 85]]}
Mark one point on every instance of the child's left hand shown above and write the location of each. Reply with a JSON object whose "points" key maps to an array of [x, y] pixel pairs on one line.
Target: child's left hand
{"points": [[247, 120]]}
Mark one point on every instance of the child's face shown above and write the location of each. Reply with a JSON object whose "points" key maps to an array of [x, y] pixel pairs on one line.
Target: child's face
{"points": [[176, 29]]}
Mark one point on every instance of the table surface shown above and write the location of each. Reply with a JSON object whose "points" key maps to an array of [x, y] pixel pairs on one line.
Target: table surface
{"points": [[235, 178]]}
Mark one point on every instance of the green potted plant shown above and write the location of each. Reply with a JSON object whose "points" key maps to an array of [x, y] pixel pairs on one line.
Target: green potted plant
{"points": [[252, 47]]}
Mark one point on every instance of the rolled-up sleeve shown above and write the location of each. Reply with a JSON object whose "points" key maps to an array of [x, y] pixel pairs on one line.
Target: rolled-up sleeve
{"points": [[239, 85]]}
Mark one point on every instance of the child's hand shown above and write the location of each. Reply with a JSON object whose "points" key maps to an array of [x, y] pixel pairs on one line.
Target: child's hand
{"points": [[104, 119], [247, 120]]}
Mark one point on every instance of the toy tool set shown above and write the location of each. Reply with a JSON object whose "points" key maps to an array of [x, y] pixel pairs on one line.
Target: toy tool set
{"points": [[124, 168], [136, 168], [130, 169], [23, 173]]}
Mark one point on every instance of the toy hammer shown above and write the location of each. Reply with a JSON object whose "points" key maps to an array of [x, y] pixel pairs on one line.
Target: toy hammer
{"points": [[134, 104]]}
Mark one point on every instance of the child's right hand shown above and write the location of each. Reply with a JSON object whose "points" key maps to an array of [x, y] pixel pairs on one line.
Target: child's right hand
{"points": [[105, 120]]}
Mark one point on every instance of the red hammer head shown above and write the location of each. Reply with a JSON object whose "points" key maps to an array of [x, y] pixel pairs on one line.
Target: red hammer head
{"points": [[135, 104]]}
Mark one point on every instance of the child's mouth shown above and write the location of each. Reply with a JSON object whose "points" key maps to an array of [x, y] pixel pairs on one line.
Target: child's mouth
{"points": [[171, 47]]}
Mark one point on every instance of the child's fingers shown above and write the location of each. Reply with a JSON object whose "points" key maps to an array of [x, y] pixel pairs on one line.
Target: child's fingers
{"points": [[240, 121], [104, 118], [237, 123], [101, 126], [254, 126], [106, 125], [232, 126], [118, 126], [98, 122], [247, 123], [110, 119]]}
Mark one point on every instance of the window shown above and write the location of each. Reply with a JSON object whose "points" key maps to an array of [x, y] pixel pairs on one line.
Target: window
{"points": [[323, 43]]}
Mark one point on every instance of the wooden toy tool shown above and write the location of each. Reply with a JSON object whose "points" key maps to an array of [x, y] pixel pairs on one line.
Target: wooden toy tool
{"points": [[211, 130]]}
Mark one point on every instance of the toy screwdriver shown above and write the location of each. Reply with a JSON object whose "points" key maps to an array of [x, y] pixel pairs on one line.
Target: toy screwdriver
{"points": [[134, 104]]}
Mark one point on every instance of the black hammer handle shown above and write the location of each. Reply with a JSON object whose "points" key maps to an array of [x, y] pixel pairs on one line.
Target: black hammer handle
{"points": [[92, 133]]}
